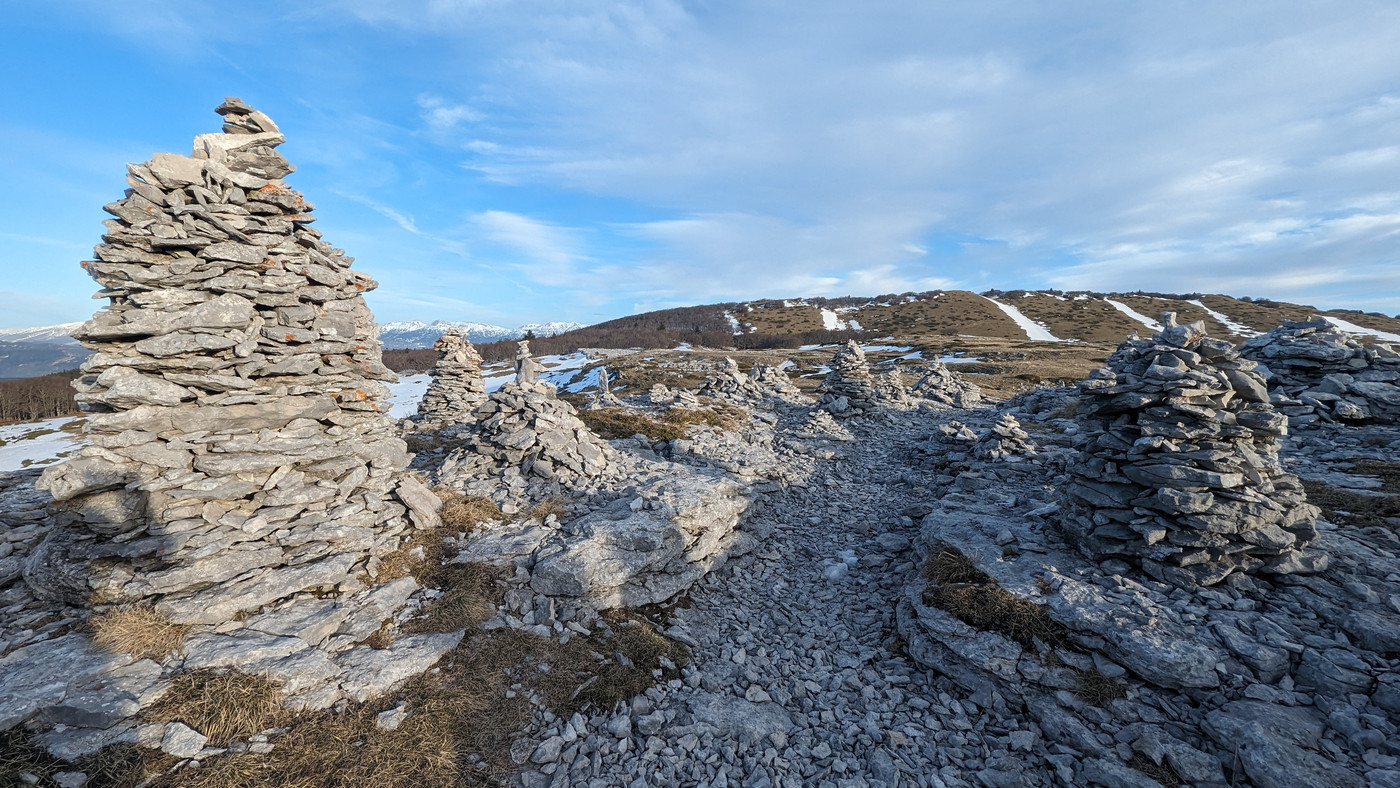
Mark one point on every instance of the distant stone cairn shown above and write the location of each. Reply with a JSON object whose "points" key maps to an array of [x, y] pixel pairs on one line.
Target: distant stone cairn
{"points": [[457, 387]]}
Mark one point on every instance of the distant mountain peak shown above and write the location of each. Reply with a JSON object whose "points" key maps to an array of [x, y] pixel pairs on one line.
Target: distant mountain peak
{"points": [[407, 334]]}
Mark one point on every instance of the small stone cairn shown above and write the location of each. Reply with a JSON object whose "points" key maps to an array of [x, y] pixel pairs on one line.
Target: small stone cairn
{"points": [[1004, 441], [241, 447], [1316, 372], [1178, 470], [762, 382], [890, 388], [946, 387], [524, 426], [602, 397], [457, 388], [849, 390]]}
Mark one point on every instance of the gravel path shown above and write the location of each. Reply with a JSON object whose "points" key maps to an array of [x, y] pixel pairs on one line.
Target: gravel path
{"points": [[797, 677]]}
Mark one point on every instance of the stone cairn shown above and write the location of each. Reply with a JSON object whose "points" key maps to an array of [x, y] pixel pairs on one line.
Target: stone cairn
{"points": [[603, 397], [457, 388], [524, 430], [241, 447], [661, 394], [1316, 372], [1178, 470], [890, 388], [1004, 441], [946, 387], [762, 382], [849, 389]]}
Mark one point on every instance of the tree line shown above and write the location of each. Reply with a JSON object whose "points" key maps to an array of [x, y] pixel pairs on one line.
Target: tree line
{"points": [[31, 399]]}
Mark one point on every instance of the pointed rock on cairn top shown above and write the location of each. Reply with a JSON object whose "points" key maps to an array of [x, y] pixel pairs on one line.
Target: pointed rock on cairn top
{"points": [[241, 448], [1179, 471]]}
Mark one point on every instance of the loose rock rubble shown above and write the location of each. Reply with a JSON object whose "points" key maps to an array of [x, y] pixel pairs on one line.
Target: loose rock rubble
{"points": [[457, 388], [849, 389], [1179, 471], [243, 476], [890, 388], [1317, 372]]}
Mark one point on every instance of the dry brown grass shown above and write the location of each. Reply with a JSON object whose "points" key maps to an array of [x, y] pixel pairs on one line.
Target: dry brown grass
{"points": [[615, 423], [1097, 689], [555, 505], [223, 705], [1089, 319], [137, 630], [957, 586], [466, 512], [1345, 507], [471, 593], [118, 766], [1161, 772], [461, 723]]}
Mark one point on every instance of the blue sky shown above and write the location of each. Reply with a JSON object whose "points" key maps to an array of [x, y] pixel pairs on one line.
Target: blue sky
{"points": [[510, 161]]}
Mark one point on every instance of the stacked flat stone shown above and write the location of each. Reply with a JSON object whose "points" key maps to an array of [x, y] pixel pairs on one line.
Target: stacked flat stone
{"points": [[524, 426], [1178, 470], [457, 388], [762, 382], [241, 447], [890, 388], [946, 387], [1004, 441], [1316, 372], [849, 389]]}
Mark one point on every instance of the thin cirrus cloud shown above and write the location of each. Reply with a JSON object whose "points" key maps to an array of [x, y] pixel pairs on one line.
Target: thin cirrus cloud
{"points": [[575, 160]]}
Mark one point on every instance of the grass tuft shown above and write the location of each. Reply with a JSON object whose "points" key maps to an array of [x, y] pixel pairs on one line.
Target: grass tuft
{"points": [[1096, 689], [471, 593], [957, 586], [1161, 772], [137, 630], [466, 512], [555, 505], [223, 705], [615, 423], [1344, 507]]}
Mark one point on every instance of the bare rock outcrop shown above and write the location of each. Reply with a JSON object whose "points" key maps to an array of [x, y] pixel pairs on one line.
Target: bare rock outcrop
{"points": [[457, 388], [1178, 470], [1317, 372]]}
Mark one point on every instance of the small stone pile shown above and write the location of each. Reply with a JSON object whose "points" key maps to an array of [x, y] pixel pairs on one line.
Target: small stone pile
{"points": [[762, 382], [1004, 441], [890, 388], [603, 397], [241, 444], [849, 390], [524, 428], [661, 394], [1316, 372], [1178, 469], [457, 388], [946, 387]]}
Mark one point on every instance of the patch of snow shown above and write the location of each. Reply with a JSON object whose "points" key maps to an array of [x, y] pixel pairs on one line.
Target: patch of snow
{"points": [[733, 323], [832, 321], [1238, 328], [1134, 314], [39, 442], [590, 380], [58, 334], [1352, 328], [405, 395], [959, 359], [855, 326], [786, 364], [1034, 331], [886, 348], [814, 347]]}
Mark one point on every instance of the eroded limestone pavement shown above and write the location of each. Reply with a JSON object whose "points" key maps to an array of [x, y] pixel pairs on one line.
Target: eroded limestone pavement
{"points": [[1115, 584]]}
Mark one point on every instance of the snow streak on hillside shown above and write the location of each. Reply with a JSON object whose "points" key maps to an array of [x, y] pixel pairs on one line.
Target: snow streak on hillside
{"points": [[1239, 328], [1134, 314], [1352, 328], [1034, 331]]}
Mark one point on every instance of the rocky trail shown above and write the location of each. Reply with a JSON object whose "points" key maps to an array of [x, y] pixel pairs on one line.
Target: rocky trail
{"points": [[798, 676]]}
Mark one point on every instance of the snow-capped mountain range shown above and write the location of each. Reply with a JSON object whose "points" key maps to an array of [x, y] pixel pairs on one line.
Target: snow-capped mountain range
{"points": [[27, 352], [417, 334]]}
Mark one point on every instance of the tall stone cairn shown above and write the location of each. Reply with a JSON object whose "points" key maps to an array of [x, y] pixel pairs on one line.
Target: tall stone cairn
{"points": [[457, 388], [1316, 372], [241, 447], [849, 389], [1178, 470]]}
